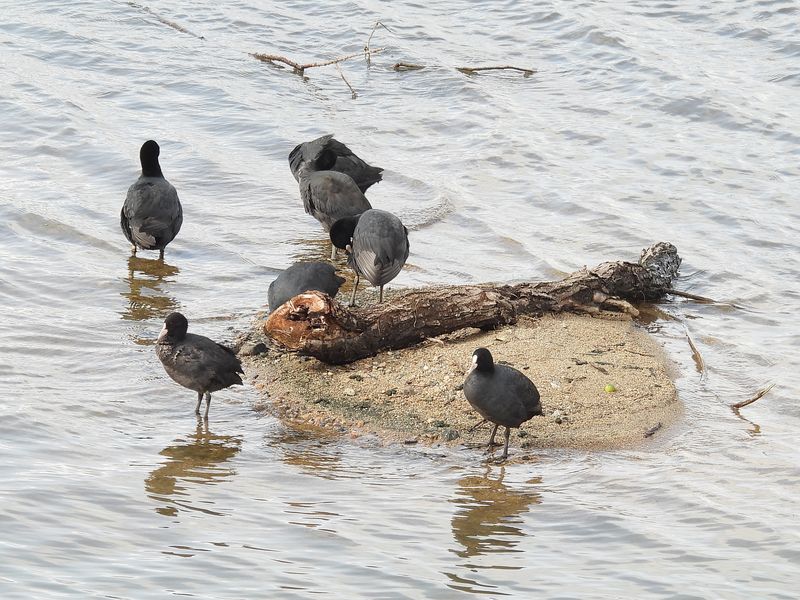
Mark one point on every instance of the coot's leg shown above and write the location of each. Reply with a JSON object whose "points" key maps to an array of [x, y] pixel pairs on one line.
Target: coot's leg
{"points": [[208, 405], [491, 439], [355, 287], [505, 450], [199, 400]]}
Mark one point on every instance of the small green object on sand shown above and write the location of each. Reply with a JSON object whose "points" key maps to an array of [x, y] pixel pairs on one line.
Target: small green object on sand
{"points": [[610, 388]]}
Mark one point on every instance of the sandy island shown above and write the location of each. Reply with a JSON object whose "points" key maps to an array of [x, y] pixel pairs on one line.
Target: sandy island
{"points": [[414, 395]]}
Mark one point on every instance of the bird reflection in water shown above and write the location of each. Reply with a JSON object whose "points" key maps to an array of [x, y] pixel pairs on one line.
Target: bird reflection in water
{"points": [[146, 300], [195, 459], [488, 512]]}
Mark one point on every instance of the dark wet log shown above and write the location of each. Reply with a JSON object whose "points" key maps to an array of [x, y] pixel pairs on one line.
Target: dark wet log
{"points": [[314, 324]]}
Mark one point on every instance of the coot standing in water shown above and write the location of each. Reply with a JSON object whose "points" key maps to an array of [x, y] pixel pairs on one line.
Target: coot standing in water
{"points": [[152, 215], [327, 154], [501, 394], [329, 196], [195, 361]]}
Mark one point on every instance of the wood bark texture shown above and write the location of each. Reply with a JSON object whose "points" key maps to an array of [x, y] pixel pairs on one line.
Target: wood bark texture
{"points": [[314, 324]]}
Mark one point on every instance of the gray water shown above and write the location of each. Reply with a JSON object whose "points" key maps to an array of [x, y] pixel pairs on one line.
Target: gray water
{"points": [[646, 121]]}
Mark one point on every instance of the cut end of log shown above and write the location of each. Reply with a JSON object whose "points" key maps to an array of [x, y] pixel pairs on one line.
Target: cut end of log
{"points": [[307, 318]]}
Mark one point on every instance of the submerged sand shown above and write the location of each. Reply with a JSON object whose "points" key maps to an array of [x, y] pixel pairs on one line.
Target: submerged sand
{"points": [[414, 395]]}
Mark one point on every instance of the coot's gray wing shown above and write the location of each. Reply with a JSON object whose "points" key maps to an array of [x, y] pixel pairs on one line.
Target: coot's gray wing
{"points": [[329, 196], [349, 163], [152, 214], [205, 363], [229, 368], [521, 395], [307, 157], [505, 396], [200, 364], [178, 221], [125, 224], [380, 246]]}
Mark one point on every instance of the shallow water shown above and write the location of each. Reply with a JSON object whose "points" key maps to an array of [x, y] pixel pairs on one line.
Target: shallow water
{"points": [[644, 123]]}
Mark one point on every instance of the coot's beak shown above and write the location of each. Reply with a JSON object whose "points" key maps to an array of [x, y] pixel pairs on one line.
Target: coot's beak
{"points": [[472, 366], [164, 333]]}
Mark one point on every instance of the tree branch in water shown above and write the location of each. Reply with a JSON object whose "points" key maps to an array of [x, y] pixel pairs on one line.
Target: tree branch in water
{"points": [[352, 91], [758, 395], [367, 50], [473, 70], [299, 68]]}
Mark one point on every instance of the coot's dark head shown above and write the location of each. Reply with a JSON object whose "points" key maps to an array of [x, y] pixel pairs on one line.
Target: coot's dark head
{"points": [[482, 361], [148, 156], [342, 232], [175, 326], [325, 160]]}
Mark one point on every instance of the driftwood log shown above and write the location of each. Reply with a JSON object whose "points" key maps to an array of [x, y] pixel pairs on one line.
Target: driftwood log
{"points": [[315, 324]]}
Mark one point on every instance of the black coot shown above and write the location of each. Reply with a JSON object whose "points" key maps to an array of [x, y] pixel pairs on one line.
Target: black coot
{"points": [[329, 196], [377, 243], [301, 277], [328, 154], [152, 215], [195, 361], [500, 394]]}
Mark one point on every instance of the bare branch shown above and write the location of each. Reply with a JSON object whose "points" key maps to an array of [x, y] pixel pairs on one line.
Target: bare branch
{"points": [[401, 66], [300, 68], [759, 394], [167, 22], [367, 50], [352, 91], [696, 298], [274, 58], [701, 299], [653, 429], [699, 363], [473, 70]]}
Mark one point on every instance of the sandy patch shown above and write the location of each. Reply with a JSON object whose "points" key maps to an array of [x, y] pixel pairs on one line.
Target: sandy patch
{"points": [[414, 395]]}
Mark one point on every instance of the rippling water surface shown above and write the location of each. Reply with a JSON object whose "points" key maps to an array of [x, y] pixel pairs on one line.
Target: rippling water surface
{"points": [[646, 121]]}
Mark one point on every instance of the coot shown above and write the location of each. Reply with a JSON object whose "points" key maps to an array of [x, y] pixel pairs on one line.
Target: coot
{"points": [[377, 243], [501, 394], [301, 277], [195, 361], [152, 215], [327, 154], [329, 196]]}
